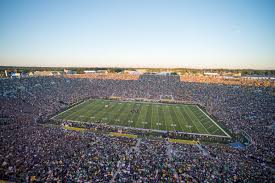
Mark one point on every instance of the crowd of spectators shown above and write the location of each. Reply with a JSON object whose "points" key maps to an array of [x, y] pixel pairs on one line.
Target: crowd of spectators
{"points": [[31, 152], [248, 109], [243, 81]]}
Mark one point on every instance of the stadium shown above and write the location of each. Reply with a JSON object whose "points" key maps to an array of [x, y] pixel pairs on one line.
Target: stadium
{"points": [[137, 91], [151, 128]]}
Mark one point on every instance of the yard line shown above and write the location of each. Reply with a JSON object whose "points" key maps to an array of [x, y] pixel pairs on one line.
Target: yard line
{"points": [[92, 111], [99, 114], [149, 118], [75, 114], [117, 113], [183, 117], [153, 107], [110, 114], [164, 112], [107, 112], [178, 121], [172, 122], [136, 115], [185, 113], [195, 118], [157, 111], [141, 117], [161, 119], [129, 115], [122, 112]]}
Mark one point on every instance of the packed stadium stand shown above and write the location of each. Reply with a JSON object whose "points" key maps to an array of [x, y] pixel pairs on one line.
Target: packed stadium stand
{"points": [[33, 150]]}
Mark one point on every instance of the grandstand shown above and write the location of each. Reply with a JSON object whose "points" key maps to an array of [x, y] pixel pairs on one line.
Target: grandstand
{"points": [[154, 129]]}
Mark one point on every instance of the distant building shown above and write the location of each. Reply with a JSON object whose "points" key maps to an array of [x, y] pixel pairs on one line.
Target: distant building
{"points": [[142, 71], [90, 72], [231, 74], [12, 74], [8, 73], [96, 71], [66, 71], [259, 77], [15, 75], [164, 73], [102, 71], [31, 74], [24, 75], [56, 73], [131, 72], [47, 73], [211, 74], [237, 74], [230, 77]]}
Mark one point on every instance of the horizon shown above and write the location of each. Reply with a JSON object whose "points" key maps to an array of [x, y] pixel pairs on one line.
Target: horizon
{"points": [[110, 67], [210, 34]]}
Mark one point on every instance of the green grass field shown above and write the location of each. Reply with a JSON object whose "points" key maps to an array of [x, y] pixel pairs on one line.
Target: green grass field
{"points": [[183, 118]]}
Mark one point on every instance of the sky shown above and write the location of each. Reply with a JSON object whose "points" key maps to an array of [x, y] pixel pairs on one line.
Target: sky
{"points": [[138, 33]]}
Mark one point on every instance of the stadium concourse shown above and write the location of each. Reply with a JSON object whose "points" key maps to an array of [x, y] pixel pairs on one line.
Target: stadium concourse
{"points": [[35, 152]]}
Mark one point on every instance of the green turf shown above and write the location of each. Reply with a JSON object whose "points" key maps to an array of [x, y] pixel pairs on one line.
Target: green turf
{"points": [[165, 117]]}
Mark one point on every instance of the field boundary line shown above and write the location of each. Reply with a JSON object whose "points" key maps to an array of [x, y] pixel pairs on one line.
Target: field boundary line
{"points": [[70, 108], [215, 123]]}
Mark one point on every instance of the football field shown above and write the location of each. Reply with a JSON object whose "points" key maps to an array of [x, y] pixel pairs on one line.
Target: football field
{"points": [[161, 117]]}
